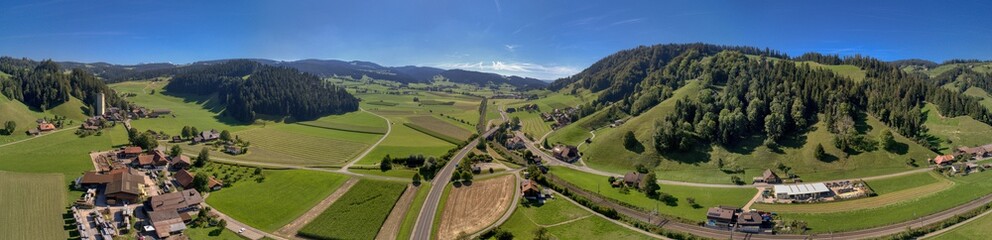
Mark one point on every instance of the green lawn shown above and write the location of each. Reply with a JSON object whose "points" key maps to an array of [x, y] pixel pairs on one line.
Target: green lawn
{"points": [[32, 206], [303, 145], [212, 233], [707, 197], [359, 214], [977, 229], [606, 152], [894, 184], [411, 216], [564, 220], [956, 131], [281, 198], [964, 190]]}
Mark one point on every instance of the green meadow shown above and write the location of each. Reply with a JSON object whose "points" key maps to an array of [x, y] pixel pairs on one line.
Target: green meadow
{"points": [[283, 196]]}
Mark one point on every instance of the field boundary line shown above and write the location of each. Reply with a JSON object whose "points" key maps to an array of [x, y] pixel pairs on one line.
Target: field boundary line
{"points": [[955, 226], [291, 228]]}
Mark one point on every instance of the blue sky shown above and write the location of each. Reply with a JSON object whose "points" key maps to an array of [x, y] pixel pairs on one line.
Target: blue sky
{"points": [[543, 39]]}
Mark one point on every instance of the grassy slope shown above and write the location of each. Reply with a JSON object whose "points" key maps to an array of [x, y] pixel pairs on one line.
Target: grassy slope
{"points": [[359, 214], [607, 153], [281, 198], [964, 190], [19, 113], [31, 209], [889, 185], [986, 98], [584, 225], [200, 112], [73, 109], [849, 71], [707, 198], [956, 131]]}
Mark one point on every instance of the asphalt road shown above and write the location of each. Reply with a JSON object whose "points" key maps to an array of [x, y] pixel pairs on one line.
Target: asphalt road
{"points": [[425, 220]]}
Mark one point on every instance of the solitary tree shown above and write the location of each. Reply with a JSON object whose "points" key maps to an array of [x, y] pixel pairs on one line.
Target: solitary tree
{"points": [[819, 153], [200, 182], [650, 185], [385, 165], [187, 132], [541, 234], [176, 151], [887, 140], [225, 136], [194, 131], [202, 158], [8, 127], [629, 141]]}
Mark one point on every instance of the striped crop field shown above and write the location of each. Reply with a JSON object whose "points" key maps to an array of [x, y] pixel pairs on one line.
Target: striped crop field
{"points": [[438, 126], [303, 145], [32, 206]]}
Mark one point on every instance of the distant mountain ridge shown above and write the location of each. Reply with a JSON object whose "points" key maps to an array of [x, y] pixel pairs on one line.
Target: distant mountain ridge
{"points": [[319, 67]]}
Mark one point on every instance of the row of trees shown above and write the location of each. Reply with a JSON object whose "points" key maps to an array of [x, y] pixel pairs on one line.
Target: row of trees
{"points": [[268, 90]]}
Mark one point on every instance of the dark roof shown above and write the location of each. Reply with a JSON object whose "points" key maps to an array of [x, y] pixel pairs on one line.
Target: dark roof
{"points": [[720, 213], [125, 180], [749, 218], [632, 177], [769, 174], [181, 159], [175, 200], [183, 177]]}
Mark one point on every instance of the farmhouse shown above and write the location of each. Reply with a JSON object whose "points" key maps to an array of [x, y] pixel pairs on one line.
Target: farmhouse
{"points": [[183, 178], [180, 162], [802, 192], [154, 159], [159, 112], [942, 159], [721, 217], [206, 136], [46, 126], [233, 150], [768, 177], [565, 153], [213, 184], [530, 190], [182, 201], [750, 222], [633, 179], [976, 153], [123, 184], [515, 143], [130, 152]]}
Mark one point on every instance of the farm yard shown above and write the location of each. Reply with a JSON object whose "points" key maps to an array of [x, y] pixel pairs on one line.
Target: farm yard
{"points": [[471, 208], [359, 214], [564, 220], [283, 196], [32, 206], [964, 189]]}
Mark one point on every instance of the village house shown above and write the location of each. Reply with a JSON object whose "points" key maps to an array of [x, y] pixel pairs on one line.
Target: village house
{"points": [[721, 217], [206, 136], [46, 126], [154, 159], [750, 222], [976, 153], [530, 190], [565, 153], [942, 159], [183, 178], [159, 112], [768, 177], [180, 162], [182, 201], [515, 143], [233, 150], [633, 179], [124, 185], [166, 223], [213, 184]]}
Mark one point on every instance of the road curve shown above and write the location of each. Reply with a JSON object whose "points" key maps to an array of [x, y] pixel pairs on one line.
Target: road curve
{"points": [[425, 220]]}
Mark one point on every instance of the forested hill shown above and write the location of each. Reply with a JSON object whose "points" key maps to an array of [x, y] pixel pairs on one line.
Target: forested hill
{"points": [[249, 88], [753, 91], [43, 85], [321, 68]]}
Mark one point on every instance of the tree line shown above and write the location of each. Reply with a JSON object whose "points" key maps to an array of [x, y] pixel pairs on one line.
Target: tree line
{"points": [[267, 90], [44, 85]]}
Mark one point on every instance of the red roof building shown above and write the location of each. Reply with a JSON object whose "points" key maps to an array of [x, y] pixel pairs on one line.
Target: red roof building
{"points": [[943, 159]]}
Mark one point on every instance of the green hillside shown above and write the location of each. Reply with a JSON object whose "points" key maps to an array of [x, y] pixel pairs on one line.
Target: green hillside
{"points": [[73, 109], [849, 71], [19, 113], [956, 131], [606, 152]]}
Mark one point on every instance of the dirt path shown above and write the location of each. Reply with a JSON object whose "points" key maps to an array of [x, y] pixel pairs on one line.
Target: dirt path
{"points": [[755, 198], [290, 229], [394, 222], [389, 128]]}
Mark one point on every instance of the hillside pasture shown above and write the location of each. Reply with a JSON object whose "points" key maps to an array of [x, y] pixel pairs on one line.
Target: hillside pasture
{"points": [[202, 112], [471, 208], [277, 201], [32, 206], [22, 116], [956, 131], [359, 214]]}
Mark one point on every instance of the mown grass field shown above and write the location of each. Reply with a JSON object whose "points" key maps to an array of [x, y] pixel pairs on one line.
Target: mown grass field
{"points": [[437, 125], [607, 153], [212, 233], [61, 152], [978, 229], [965, 189], [32, 206], [564, 220], [956, 131], [281, 198], [303, 145], [359, 214], [706, 198], [532, 124], [360, 121], [895, 184], [882, 200]]}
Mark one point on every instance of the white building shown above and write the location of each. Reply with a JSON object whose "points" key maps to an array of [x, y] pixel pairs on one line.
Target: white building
{"points": [[802, 191]]}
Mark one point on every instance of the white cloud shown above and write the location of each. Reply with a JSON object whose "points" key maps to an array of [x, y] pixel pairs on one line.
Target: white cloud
{"points": [[511, 47], [632, 20], [516, 68]]}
